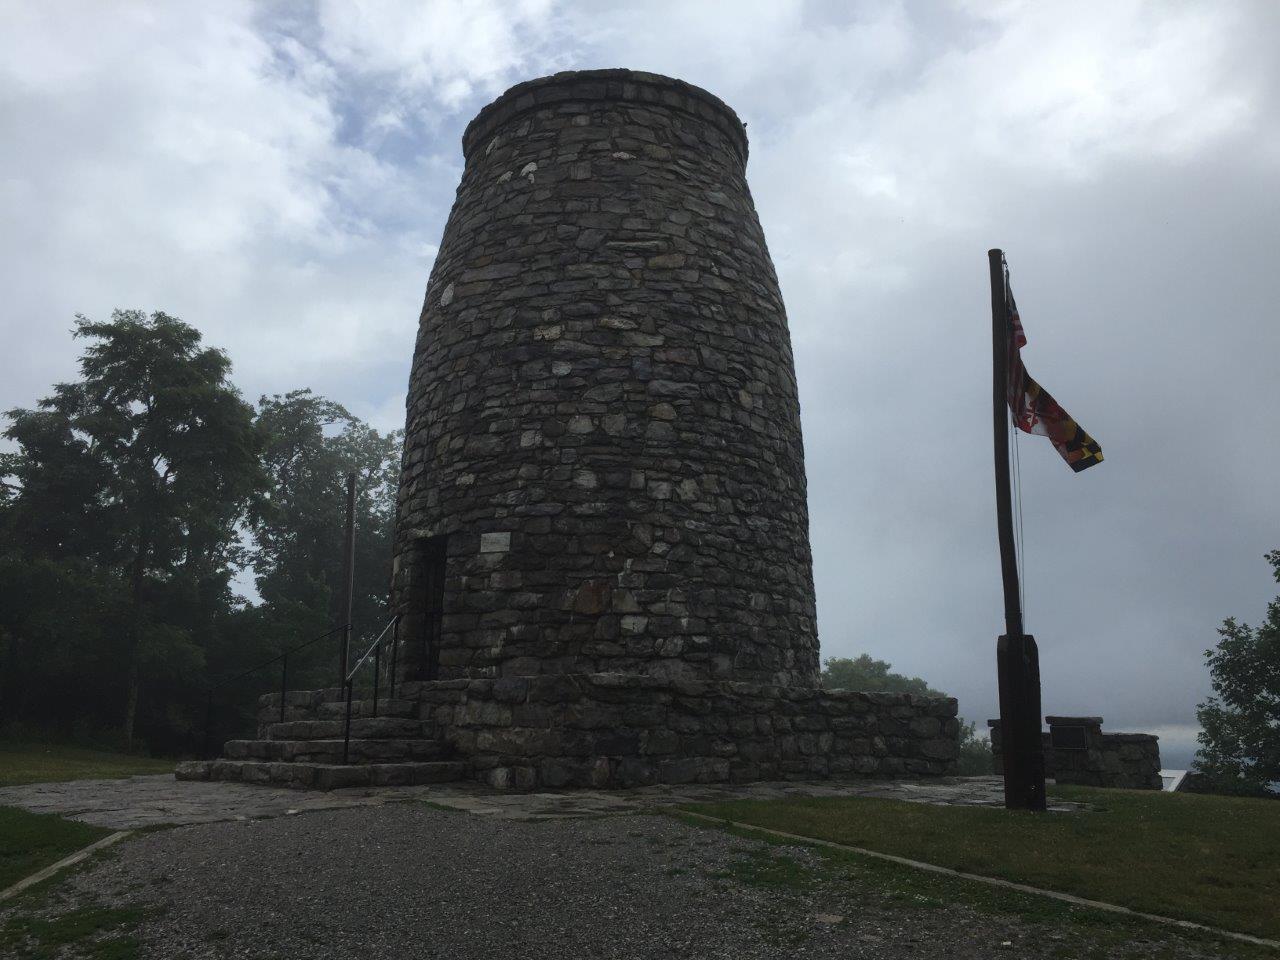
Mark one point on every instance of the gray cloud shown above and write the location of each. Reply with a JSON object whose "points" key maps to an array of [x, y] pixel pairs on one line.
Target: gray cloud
{"points": [[279, 176]]}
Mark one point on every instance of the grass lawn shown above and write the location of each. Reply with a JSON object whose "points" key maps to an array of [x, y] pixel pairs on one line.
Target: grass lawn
{"points": [[99, 933], [42, 763], [31, 841], [1213, 860]]}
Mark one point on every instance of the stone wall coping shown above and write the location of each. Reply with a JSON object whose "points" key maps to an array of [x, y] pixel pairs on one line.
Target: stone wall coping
{"points": [[1130, 737], [1073, 721], [627, 86], [1060, 721]]}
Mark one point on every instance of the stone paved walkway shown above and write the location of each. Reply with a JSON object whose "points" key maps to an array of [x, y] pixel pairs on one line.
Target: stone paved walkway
{"points": [[155, 800]]}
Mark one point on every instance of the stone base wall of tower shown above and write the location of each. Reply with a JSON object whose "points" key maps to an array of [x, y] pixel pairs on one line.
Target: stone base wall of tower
{"points": [[618, 730], [603, 465]]}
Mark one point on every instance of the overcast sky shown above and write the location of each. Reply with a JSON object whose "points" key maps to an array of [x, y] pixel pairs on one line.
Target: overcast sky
{"points": [[279, 175]]}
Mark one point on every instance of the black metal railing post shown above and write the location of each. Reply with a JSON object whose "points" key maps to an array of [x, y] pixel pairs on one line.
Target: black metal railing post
{"points": [[377, 670], [208, 720], [395, 646], [284, 682], [346, 736]]}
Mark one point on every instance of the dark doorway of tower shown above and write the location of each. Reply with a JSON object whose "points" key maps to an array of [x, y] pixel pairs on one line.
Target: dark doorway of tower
{"points": [[422, 612]]}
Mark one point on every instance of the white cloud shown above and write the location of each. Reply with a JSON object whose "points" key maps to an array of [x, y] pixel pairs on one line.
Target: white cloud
{"points": [[453, 49]]}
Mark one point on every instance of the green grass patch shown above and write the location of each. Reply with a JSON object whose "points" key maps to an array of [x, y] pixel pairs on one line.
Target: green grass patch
{"points": [[31, 841], [1082, 931], [44, 763], [1212, 860], [99, 933]]}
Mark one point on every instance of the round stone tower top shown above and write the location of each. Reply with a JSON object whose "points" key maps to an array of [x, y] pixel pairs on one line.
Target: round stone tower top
{"points": [[586, 86]]}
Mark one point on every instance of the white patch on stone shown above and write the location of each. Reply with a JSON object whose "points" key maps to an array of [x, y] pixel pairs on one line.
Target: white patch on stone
{"points": [[505, 177], [495, 542], [466, 479], [490, 148], [561, 368], [585, 479], [623, 155], [528, 170], [446, 298]]}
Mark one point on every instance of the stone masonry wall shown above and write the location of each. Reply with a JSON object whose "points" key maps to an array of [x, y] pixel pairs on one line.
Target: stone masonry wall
{"points": [[602, 414], [1129, 760], [615, 730]]}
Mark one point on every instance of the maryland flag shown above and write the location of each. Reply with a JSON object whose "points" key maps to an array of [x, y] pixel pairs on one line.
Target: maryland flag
{"points": [[1034, 410]]}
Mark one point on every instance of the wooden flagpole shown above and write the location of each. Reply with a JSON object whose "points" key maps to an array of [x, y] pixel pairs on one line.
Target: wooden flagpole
{"points": [[1017, 659]]}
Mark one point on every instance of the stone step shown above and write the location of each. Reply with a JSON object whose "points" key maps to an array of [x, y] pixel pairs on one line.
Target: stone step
{"points": [[330, 751], [386, 707], [363, 728], [303, 704], [323, 776]]}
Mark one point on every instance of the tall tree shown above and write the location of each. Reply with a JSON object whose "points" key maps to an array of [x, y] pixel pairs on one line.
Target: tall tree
{"points": [[309, 446], [143, 469], [1240, 736], [867, 674]]}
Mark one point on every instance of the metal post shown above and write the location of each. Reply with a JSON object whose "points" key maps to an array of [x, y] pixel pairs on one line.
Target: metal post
{"points": [[1017, 659], [346, 736], [284, 675], [377, 670], [349, 574], [395, 648], [208, 719]]}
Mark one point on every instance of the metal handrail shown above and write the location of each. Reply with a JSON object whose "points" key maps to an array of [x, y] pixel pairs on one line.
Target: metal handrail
{"points": [[377, 640], [278, 656], [283, 657], [374, 648]]}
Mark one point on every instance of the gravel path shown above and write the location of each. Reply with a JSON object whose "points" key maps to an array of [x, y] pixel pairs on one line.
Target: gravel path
{"points": [[411, 881]]}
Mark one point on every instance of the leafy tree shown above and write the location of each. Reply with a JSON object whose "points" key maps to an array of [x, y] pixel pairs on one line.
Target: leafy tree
{"points": [[864, 673], [1240, 736], [134, 478], [309, 445], [976, 758]]}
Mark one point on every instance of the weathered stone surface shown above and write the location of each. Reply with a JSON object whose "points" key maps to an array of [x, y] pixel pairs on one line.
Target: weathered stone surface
{"points": [[603, 393], [1128, 760], [601, 565], [615, 730]]}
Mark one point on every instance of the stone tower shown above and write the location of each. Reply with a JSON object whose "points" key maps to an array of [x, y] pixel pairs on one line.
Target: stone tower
{"points": [[603, 468], [601, 562]]}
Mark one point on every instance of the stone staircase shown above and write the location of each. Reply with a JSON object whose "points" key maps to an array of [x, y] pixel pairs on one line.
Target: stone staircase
{"points": [[389, 746]]}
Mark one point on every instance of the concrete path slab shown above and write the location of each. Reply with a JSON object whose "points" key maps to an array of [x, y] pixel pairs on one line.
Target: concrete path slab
{"points": [[147, 801]]}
